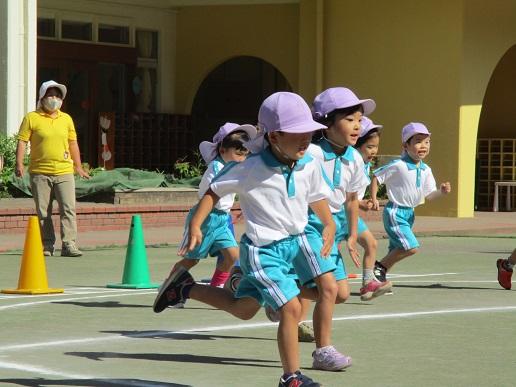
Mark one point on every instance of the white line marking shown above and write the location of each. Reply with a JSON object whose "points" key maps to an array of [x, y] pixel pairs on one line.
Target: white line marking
{"points": [[418, 275], [69, 291], [252, 326], [132, 293]]}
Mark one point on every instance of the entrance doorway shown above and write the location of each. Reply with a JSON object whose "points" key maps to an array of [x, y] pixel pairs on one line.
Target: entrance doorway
{"points": [[97, 78], [496, 142], [233, 92]]}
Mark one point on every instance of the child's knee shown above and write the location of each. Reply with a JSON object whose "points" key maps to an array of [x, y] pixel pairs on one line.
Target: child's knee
{"points": [[342, 295], [411, 252], [292, 309], [327, 287]]}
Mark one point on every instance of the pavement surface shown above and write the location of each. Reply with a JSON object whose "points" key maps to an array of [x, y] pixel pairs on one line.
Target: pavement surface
{"points": [[482, 224]]}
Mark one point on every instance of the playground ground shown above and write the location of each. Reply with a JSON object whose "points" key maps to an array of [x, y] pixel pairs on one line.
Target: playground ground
{"points": [[448, 323]]}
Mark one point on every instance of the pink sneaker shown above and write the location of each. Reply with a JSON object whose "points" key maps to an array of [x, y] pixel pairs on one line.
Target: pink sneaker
{"points": [[504, 275], [329, 359], [374, 289]]}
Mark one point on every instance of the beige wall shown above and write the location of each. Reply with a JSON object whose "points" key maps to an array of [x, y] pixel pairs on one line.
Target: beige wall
{"points": [[138, 17], [208, 36], [406, 55]]}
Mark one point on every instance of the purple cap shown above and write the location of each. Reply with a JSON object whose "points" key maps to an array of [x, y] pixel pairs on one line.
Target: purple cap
{"points": [[286, 112], [366, 125], [339, 98], [411, 129], [209, 149]]}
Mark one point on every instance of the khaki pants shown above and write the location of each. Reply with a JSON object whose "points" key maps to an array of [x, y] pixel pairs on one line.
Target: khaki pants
{"points": [[46, 188]]}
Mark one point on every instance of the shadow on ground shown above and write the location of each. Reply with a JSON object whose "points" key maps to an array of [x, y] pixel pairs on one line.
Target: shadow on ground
{"points": [[179, 358]]}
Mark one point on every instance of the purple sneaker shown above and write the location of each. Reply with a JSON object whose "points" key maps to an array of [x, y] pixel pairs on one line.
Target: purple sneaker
{"points": [[329, 359]]}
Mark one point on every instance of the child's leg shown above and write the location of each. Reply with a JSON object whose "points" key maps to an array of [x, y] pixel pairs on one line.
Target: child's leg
{"points": [[287, 335], [186, 263], [244, 308], [343, 291], [323, 311], [221, 274], [369, 244], [396, 255]]}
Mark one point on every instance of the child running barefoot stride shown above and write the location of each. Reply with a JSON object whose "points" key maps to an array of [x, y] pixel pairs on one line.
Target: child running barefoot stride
{"points": [[275, 189], [227, 146], [505, 269], [409, 182], [367, 144]]}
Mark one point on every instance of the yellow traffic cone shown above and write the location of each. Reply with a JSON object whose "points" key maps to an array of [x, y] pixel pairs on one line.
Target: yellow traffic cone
{"points": [[33, 272]]}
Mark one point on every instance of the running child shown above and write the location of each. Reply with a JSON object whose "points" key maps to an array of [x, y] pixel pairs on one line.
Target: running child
{"points": [[409, 182], [367, 144], [340, 110], [227, 146], [505, 269], [275, 188]]}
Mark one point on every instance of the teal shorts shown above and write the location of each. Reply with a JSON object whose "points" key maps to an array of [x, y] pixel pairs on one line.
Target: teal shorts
{"points": [[216, 235], [398, 222], [332, 263], [271, 272], [343, 220]]}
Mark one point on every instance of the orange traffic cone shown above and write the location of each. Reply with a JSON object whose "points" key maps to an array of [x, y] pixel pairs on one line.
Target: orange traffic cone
{"points": [[33, 273]]}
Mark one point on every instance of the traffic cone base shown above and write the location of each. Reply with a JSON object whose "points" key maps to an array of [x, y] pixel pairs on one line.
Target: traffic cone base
{"points": [[32, 291], [33, 272], [136, 269], [149, 285]]}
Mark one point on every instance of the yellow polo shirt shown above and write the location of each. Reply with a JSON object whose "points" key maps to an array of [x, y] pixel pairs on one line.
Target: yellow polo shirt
{"points": [[49, 149]]}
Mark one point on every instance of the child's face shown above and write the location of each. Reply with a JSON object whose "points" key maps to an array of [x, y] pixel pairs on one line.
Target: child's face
{"points": [[233, 154], [346, 128], [418, 147], [369, 149], [291, 145]]}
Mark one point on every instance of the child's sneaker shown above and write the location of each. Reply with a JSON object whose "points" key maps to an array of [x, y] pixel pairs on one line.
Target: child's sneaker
{"points": [[298, 380], [329, 359], [272, 315], [504, 274], [170, 292], [374, 289], [233, 281], [305, 333], [380, 272]]}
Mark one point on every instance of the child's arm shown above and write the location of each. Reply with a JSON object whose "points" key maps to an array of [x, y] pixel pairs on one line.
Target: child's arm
{"points": [[204, 208], [444, 190], [321, 209], [352, 215], [365, 205], [374, 192]]}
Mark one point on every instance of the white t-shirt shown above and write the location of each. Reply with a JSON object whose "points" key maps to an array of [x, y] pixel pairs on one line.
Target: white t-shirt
{"points": [[344, 173], [367, 171], [273, 198], [407, 184], [226, 202]]}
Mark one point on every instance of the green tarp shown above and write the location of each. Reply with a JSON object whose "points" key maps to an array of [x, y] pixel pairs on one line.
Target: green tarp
{"points": [[124, 179]]}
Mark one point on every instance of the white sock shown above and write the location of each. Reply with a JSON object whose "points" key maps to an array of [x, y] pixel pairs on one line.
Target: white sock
{"points": [[368, 275]]}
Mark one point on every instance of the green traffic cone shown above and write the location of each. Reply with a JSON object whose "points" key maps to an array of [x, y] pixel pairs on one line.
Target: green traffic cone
{"points": [[136, 270]]}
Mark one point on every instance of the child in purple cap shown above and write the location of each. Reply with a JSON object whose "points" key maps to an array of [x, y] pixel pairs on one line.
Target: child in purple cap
{"points": [[275, 187], [367, 144], [343, 170], [227, 146], [409, 181]]}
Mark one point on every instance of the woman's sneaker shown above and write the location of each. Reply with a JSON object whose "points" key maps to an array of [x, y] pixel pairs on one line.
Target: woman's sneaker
{"points": [[298, 380], [329, 359], [374, 289], [170, 292], [504, 274]]}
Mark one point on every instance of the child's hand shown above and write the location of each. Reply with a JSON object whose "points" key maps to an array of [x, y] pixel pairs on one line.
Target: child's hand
{"points": [[328, 237], [194, 239], [375, 204], [445, 188], [351, 244], [365, 205]]}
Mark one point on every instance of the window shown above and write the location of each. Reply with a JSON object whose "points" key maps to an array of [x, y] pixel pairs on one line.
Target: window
{"points": [[76, 30], [46, 27], [113, 34]]}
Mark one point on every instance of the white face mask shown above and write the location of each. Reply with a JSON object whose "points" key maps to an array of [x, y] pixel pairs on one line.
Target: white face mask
{"points": [[52, 104]]}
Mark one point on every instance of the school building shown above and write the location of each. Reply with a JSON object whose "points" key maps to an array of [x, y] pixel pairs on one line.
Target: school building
{"points": [[167, 73]]}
